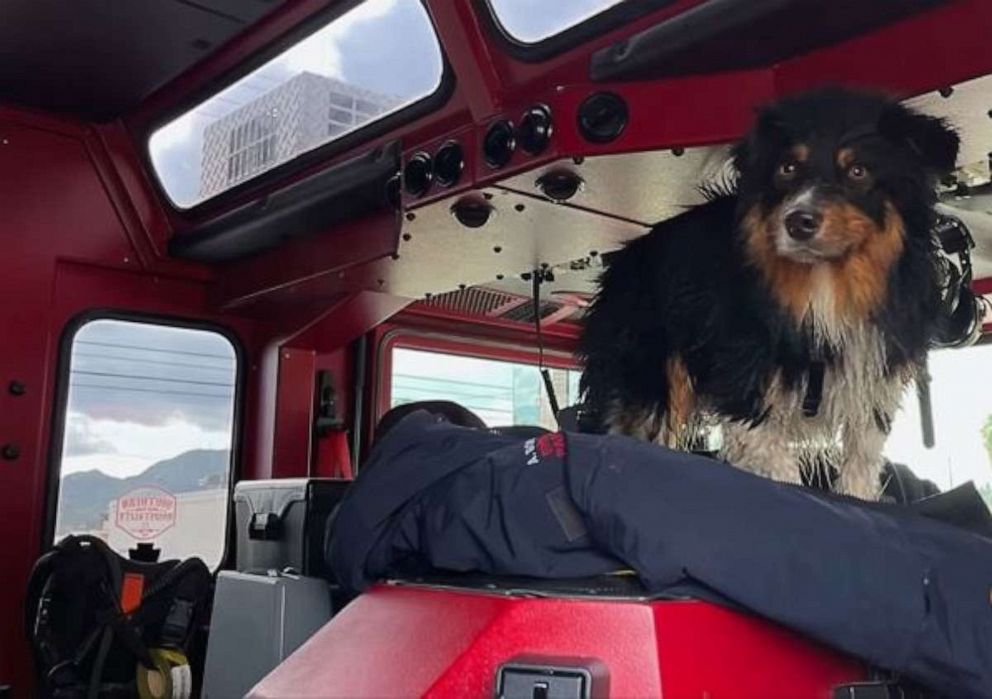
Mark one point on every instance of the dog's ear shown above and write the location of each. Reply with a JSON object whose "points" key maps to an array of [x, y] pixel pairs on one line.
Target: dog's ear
{"points": [[767, 129], [932, 139]]}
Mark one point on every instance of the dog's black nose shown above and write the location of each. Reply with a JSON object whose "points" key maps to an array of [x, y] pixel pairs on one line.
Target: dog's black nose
{"points": [[803, 224]]}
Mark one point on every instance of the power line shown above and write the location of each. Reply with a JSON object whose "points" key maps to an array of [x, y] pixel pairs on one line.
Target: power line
{"points": [[162, 362], [150, 378], [154, 391], [152, 349]]}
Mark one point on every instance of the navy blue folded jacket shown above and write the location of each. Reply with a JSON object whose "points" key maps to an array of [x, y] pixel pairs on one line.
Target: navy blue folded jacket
{"points": [[882, 582]]}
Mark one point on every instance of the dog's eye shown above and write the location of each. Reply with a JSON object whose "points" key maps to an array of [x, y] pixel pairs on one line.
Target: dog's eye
{"points": [[857, 172], [788, 168]]}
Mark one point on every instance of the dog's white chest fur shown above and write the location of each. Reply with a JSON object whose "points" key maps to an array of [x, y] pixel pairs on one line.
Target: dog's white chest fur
{"points": [[858, 398]]}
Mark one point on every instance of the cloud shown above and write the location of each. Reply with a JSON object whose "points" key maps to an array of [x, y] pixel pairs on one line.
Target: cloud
{"points": [[80, 439], [131, 447]]}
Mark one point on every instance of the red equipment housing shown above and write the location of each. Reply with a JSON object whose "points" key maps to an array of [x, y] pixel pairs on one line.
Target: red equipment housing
{"points": [[414, 641]]}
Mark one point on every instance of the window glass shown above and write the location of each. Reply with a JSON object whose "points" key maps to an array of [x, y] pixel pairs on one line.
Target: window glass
{"points": [[501, 393], [371, 61], [530, 22], [146, 451], [962, 416]]}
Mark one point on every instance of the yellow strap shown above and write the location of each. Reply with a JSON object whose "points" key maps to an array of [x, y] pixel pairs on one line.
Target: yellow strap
{"points": [[169, 679]]}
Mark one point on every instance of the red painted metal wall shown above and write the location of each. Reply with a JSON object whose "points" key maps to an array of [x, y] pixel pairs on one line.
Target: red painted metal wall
{"points": [[72, 242]]}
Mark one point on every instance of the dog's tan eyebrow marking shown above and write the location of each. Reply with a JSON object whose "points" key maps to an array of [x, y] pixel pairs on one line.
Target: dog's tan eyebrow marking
{"points": [[800, 152], [845, 156]]}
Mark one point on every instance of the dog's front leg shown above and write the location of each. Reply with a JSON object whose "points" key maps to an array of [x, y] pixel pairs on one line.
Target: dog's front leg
{"points": [[762, 449]]}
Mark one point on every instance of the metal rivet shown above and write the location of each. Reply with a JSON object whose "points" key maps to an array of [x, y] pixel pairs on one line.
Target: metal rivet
{"points": [[395, 256], [593, 253], [946, 92], [519, 207], [678, 151], [487, 195], [407, 237], [497, 249], [10, 452], [16, 388], [462, 287], [499, 277], [411, 216], [578, 160]]}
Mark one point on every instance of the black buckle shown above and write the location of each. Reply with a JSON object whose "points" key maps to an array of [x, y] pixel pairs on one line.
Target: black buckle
{"points": [[177, 623]]}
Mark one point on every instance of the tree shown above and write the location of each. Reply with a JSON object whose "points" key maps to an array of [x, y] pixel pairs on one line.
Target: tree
{"points": [[987, 435]]}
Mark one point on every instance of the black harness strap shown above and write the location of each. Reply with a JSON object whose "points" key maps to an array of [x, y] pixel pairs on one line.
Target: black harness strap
{"points": [[814, 389]]}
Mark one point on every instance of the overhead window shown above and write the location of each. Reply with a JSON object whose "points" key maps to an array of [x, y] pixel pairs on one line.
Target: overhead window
{"points": [[146, 447], [502, 393], [372, 61], [528, 24]]}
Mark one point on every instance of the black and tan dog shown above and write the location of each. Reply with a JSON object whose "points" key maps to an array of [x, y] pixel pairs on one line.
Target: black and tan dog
{"points": [[791, 310]]}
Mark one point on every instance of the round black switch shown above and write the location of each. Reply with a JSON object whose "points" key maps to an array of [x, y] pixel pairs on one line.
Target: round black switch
{"points": [[499, 144], [417, 174], [535, 129], [449, 161], [602, 117]]}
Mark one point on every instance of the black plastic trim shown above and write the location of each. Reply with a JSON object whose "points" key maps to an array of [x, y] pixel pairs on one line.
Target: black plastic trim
{"points": [[345, 191], [61, 400], [733, 34], [258, 184], [607, 20]]}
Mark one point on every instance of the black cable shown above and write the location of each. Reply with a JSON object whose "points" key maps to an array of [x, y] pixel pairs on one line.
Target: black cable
{"points": [[536, 280]]}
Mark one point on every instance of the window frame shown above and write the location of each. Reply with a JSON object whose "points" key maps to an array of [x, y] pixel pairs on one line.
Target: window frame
{"points": [[605, 21], [272, 178], [446, 343], [61, 399]]}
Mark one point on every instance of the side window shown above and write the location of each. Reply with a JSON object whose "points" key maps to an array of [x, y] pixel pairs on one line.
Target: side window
{"points": [[962, 420], [501, 393], [146, 448]]}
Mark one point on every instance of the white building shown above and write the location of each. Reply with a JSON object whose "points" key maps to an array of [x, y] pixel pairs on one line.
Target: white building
{"points": [[298, 115]]}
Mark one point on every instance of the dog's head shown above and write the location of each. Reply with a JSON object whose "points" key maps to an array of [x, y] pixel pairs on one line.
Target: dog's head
{"points": [[828, 179]]}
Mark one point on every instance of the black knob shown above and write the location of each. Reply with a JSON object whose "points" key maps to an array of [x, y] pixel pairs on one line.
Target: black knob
{"points": [[471, 212], [10, 452], [449, 161], [602, 117], [17, 388], [535, 129], [417, 174], [499, 144]]}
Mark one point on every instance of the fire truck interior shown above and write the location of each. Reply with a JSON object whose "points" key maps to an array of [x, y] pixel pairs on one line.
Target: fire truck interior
{"points": [[238, 232]]}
